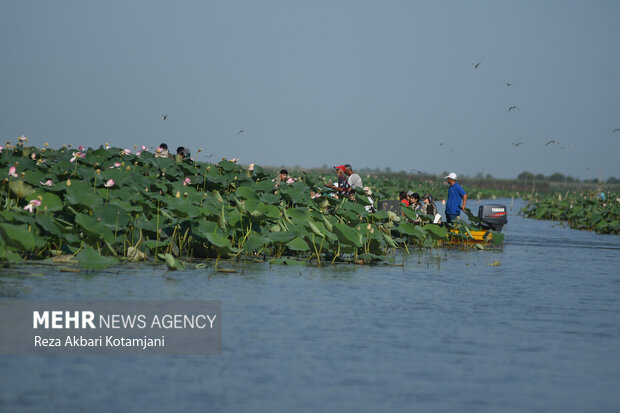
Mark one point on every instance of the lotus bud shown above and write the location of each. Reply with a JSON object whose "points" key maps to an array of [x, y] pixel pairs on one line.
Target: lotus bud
{"points": [[178, 194], [128, 168], [98, 171], [68, 182], [185, 194]]}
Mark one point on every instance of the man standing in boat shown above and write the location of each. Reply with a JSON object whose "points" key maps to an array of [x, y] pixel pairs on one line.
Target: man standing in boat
{"points": [[457, 198]]}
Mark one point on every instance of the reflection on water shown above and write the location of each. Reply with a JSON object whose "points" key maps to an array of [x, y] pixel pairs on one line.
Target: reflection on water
{"points": [[445, 332]]}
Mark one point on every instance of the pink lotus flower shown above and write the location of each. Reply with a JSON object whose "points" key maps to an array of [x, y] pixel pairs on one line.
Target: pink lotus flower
{"points": [[77, 155], [234, 160], [13, 172], [143, 148], [49, 182], [80, 148], [251, 167], [126, 151], [116, 165], [1, 148], [109, 184], [22, 139], [138, 153], [33, 156], [187, 181], [290, 181], [31, 205]]}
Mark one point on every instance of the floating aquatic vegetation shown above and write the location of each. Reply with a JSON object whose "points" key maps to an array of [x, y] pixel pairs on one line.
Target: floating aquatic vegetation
{"points": [[107, 204], [587, 212]]}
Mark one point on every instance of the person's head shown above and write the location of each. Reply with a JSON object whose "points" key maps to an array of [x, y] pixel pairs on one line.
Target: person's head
{"points": [[163, 146], [403, 195], [427, 198], [283, 175], [181, 152], [409, 194], [451, 178], [340, 170], [415, 197], [348, 169]]}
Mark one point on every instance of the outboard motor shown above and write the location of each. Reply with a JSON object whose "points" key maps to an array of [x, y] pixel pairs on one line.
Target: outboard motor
{"points": [[493, 216]]}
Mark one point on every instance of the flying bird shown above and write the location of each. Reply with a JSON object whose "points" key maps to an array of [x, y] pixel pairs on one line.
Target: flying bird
{"points": [[551, 141], [508, 83], [164, 116], [513, 107], [240, 132], [475, 65], [517, 144], [615, 130]]}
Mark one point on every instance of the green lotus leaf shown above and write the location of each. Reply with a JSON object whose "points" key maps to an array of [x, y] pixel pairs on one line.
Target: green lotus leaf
{"points": [[49, 202], [93, 227], [255, 242], [17, 236], [409, 212], [412, 230], [48, 224], [246, 192], [267, 186], [81, 194], [281, 237], [347, 235], [436, 231], [113, 216], [91, 260], [298, 244]]}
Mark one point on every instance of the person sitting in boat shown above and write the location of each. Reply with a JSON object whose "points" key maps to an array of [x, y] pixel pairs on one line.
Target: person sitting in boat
{"points": [[371, 207], [404, 198], [414, 200], [429, 208], [343, 187], [162, 151], [183, 153], [281, 178], [355, 181]]}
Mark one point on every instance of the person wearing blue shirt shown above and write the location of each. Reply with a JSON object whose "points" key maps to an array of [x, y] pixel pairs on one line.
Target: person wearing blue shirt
{"points": [[457, 198]]}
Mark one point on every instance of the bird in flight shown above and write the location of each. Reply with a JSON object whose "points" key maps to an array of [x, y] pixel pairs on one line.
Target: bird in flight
{"points": [[440, 144], [513, 107], [508, 83], [517, 144], [615, 130], [164, 116], [551, 141], [240, 132], [475, 65]]}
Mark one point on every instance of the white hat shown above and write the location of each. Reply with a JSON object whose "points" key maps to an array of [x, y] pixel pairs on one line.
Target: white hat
{"points": [[451, 175]]}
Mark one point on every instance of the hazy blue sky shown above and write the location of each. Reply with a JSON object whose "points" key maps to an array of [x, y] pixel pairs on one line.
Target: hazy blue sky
{"points": [[371, 83]]}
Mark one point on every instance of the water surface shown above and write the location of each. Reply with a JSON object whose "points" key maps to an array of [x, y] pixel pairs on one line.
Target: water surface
{"points": [[445, 332]]}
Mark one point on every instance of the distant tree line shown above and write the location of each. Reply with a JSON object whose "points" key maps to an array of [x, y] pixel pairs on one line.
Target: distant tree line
{"points": [[558, 177]]}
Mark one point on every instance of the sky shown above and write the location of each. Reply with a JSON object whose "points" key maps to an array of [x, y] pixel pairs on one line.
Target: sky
{"points": [[372, 83]]}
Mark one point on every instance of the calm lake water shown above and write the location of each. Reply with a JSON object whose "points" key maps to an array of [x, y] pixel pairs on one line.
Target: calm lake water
{"points": [[447, 332]]}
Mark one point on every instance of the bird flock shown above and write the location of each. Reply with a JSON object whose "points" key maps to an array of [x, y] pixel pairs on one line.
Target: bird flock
{"points": [[514, 107]]}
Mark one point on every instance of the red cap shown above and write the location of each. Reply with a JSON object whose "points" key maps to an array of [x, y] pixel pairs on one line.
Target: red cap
{"points": [[341, 167]]}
